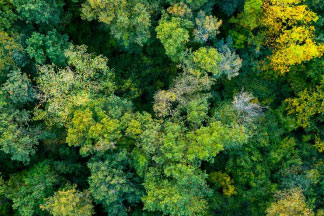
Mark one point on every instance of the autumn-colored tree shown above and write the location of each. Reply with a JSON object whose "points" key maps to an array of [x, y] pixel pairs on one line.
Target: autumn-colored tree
{"points": [[308, 106], [290, 32], [289, 203], [69, 202]]}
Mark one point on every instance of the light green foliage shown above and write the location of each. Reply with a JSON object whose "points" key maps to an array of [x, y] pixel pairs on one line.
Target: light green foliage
{"points": [[69, 202], [17, 138], [19, 88], [174, 183], [49, 47], [246, 22], [206, 142], [112, 185], [99, 125], [93, 130], [197, 111], [129, 21], [39, 11], [307, 106], [182, 192], [63, 89], [173, 34], [29, 188], [207, 60]]}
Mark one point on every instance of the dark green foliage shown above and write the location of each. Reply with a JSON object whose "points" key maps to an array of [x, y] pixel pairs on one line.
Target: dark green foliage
{"points": [[129, 21], [228, 7], [29, 188], [48, 48], [7, 16], [17, 137], [19, 89], [112, 184], [39, 11]]}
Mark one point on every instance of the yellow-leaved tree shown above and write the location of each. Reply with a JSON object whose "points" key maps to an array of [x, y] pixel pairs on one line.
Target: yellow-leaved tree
{"points": [[290, 32], [289, 203]]}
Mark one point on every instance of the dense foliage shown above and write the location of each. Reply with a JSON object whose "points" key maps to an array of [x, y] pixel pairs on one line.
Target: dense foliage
{"points": [[162, 107]]}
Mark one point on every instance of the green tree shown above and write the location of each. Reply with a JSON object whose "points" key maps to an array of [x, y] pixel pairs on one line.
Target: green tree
{"points": [[93, 129], [8, 17], [246, 24], [48, 48], [38, 11], [19, 88], [173, 181], [129, 21], [173, 34], [69, 202], [29, 188], [17, 137], [62, 89], [9, 46], [112, 184]]}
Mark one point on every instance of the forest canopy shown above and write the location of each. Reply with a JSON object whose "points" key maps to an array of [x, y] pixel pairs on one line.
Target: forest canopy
{"points": [[162, 107]]}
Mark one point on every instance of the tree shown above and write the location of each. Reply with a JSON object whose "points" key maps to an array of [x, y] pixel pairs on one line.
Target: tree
{"points": [[307, 105], [93, 129], [129, 21], [38, 11], [8, 17], [19, 89], [64, 89], [17, 138], [207, 27], [8, 48], [69, 202], [247, 108], [246, 22], [47, 48], [173, 35], [291, 33], [173, 182], [207, 60], [289, 203], [112, 184], [29, 188], [224, 181], [231, 63]]}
